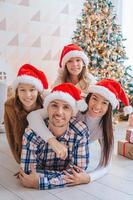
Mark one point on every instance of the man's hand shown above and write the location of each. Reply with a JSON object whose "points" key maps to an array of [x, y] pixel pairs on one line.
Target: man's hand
{"points": [[31, 180], [59, 148], [78, 176]]}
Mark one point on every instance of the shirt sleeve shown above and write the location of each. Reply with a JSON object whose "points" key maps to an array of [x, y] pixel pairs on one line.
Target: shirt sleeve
{"points": [[31, 145], [80, 157], [101, 170], [51, 179], [37, 124], [81, 152]]}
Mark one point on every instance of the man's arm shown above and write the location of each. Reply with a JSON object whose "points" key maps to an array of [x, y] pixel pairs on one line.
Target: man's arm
{"points": [[80, 157], [51, 179]]}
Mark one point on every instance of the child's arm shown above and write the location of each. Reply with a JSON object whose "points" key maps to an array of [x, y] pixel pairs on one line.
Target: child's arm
{"points": [[36, 123]]}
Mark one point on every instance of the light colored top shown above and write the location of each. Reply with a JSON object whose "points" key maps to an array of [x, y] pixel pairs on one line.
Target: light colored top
{"points": [[36, 123], [96, 133], [81, 84]]}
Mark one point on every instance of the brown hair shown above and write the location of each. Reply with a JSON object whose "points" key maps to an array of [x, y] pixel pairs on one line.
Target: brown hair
{"points": [[65, 78], [107, 126]]}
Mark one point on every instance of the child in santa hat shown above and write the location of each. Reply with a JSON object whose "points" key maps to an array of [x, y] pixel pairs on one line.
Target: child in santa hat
{"points": [[41, 168], [73, 67], [29, 85], [103, 97]]}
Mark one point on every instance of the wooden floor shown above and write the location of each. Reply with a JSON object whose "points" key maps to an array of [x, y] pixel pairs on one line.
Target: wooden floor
{"points": [[118, 184]]}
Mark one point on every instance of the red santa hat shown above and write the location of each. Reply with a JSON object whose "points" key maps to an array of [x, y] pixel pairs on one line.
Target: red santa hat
{"points": [[113, 92], [69, 51], [68, 93], [31, 75]]}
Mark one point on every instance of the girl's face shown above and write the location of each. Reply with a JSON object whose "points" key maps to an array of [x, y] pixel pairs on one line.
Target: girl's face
{"points": [[75, 66], [97, 106], [27, 94]]}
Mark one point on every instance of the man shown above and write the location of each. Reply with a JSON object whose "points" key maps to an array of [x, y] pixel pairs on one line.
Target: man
{"points": [[40, 166]]}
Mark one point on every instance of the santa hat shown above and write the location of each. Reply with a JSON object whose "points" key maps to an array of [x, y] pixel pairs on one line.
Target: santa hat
{"points": [[31, 75], [69, 51], [113, 92], [68, 93]]}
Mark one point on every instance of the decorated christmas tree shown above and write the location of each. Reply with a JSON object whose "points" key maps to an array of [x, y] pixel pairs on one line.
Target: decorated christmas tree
{"points": [[101, 38]]}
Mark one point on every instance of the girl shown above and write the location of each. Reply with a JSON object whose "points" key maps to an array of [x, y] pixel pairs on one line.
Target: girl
{"points": [[73, 68], [28, 86], [102, 99]]}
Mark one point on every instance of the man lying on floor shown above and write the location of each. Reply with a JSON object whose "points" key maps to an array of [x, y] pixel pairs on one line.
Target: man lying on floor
{"points": [[41, 167]]}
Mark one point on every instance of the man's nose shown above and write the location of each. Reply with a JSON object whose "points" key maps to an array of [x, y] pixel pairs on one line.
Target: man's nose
{"points": [[60, 110]]}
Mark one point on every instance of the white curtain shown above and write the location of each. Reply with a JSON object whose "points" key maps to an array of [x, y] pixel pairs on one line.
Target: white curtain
{"points": [[124, 11], [127, 27], [118, 4]]}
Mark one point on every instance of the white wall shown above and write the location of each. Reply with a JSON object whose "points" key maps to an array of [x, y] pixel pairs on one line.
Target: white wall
{"points": [[127, 24], [34, 31]]}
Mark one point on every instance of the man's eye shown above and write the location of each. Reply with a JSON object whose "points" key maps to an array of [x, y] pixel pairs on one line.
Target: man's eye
{"points": [[32, 90], [53, 105], [66, 107]]}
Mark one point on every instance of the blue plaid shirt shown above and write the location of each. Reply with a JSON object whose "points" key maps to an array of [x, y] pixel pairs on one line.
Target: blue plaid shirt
{"points": [[48, 166]]}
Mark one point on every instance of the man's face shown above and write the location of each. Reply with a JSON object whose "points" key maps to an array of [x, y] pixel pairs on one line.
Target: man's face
{"points": [[60, 113]]}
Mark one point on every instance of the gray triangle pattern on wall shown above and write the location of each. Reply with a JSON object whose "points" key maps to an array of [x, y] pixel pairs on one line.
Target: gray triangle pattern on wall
{"points": [[14, 41], [36, 16], [57, 32], [37, 42], [48, 56], [65, 10], [24, 3], [3, 24], [56, 56]]}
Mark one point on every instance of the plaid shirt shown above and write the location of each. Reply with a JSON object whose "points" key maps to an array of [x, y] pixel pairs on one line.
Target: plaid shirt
{"points": [[48, 166]]}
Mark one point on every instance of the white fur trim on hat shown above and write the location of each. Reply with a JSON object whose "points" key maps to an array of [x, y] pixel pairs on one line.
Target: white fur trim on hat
{"points": [[82, 105], [28, 80], [58, 95], [127, 110], [110, 96], [72, 54]]}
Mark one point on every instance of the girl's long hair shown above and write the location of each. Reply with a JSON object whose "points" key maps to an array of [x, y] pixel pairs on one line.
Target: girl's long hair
{"points": [[107, 127], [65, 77]]}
